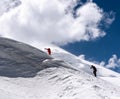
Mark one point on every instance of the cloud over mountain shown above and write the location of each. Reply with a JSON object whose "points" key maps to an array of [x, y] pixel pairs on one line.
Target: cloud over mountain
{"points": [[53, 21]]}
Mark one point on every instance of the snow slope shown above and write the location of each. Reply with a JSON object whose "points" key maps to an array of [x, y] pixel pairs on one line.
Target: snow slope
{"points": [[81, 64], [102, 72], [29, 73]]}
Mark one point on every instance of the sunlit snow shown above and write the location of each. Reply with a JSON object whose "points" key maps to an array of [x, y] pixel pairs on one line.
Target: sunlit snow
{"points": [[29, 73]]}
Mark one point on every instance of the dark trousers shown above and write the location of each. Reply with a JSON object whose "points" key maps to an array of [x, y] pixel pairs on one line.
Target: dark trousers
{"points": [[94, 72]]}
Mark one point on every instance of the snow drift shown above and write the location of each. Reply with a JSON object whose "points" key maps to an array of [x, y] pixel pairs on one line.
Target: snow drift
{"points": [[29, 73]]}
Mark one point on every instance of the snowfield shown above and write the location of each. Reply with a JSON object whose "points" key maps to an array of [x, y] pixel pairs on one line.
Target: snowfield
{"points": [[29, 73]]}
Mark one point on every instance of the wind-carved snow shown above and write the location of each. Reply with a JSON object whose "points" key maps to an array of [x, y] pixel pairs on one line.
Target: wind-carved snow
{"points": [[29, 73], [18, 60], [81, 64]]}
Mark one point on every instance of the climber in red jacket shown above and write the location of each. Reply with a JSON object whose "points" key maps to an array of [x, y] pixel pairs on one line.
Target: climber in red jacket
{"points": [[48, 50]]}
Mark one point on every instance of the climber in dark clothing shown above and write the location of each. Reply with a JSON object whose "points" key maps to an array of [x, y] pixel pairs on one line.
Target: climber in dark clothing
{"points": [[94, 70]]}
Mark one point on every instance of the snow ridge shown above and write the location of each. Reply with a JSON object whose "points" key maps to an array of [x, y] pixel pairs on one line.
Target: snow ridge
{"points": [[29, 73]]}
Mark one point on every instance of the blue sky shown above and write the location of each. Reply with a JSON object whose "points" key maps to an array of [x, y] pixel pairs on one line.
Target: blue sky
{"points": [[87, 27], [103, 48]]}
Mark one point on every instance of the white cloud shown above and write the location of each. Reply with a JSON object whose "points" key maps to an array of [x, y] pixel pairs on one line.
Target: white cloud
{"points": [[46, 21], [81, 56], [102, 63], [109, 18], [113, 62]]}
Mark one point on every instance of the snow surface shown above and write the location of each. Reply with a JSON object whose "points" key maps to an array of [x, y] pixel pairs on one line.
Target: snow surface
{"points": [[79, 63], [29, 73]]}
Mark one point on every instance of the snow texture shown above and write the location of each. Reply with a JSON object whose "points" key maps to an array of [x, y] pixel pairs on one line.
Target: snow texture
{"points": [[29, 73]]}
